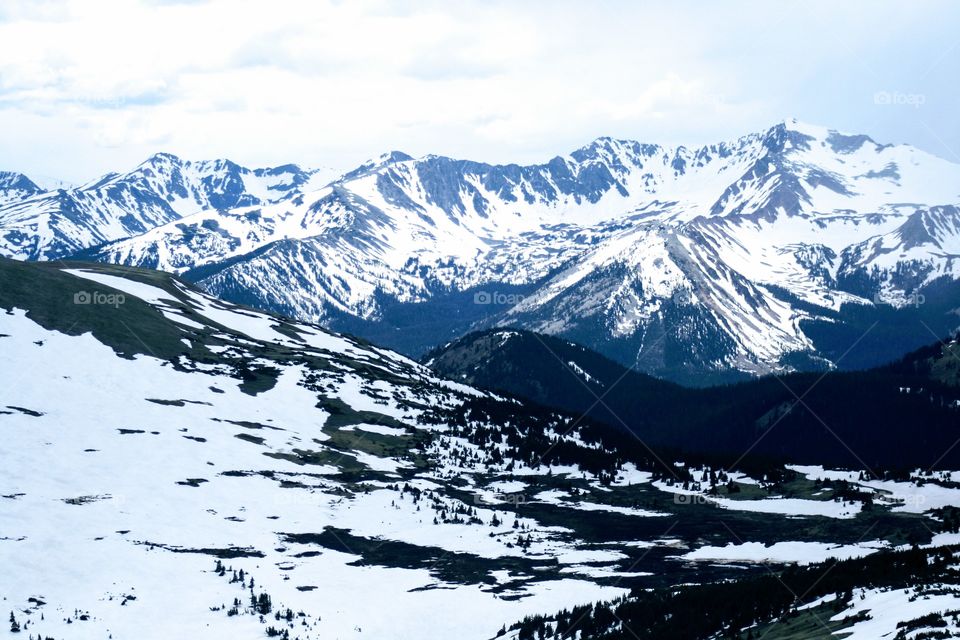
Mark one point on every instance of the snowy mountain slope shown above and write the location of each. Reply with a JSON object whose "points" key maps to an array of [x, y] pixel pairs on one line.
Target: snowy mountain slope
{"points": [[37, 224], [921, 250], [741, 257], [16, 186], [159, 441], [243, 446]]}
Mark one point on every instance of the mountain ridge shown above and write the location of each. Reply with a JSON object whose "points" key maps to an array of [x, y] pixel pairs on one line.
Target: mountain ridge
{"points": [[760, 250], [45, 224]]}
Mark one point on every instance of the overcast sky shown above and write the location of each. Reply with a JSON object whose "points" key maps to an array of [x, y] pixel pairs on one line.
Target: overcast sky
{"points": [[87, 87]]}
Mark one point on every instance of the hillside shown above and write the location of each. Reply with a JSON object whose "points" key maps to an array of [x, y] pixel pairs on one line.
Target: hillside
{"points": [[163, 443], [900, 416]]}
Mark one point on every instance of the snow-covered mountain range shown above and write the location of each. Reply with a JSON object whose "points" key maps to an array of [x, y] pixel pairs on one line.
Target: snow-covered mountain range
{"points": [[780, 250], [45, 225]]}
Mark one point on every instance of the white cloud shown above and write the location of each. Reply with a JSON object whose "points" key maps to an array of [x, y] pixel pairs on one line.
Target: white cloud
{"points": [[91, 86]]}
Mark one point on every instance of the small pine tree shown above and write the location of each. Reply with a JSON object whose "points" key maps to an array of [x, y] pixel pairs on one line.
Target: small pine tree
{"points": [[264, 605]]}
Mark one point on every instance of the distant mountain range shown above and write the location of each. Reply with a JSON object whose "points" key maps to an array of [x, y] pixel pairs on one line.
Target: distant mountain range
{"points": [[794, 248], [46, 225]]}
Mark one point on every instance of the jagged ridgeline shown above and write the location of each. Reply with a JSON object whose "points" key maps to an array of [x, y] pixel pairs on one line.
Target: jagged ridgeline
{"points": [[793, 248]]}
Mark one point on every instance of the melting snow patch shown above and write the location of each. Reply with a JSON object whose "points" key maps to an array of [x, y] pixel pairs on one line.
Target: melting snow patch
{"points": [[783, 552]]}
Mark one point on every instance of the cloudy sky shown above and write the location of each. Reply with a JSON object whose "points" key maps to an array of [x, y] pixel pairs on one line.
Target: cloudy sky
{"points": [[89, 86]]}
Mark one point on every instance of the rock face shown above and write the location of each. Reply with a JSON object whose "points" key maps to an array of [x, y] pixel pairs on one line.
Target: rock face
{"points": [[794, 248], [42, 225]]}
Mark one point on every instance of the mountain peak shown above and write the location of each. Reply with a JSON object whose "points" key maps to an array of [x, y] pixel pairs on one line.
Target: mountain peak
{"points": [[384, 159], [394, 156], [162, 156], [805, 128], [17, 180], [610, 148], [217, 165], [15, 185], [611, 141], [841, 142], [161, 161]]}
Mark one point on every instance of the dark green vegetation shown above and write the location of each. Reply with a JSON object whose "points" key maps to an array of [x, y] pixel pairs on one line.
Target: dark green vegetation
{"points": [[680, 526], [451, 567], [726, 609], [903, 415], [47, 294]]}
